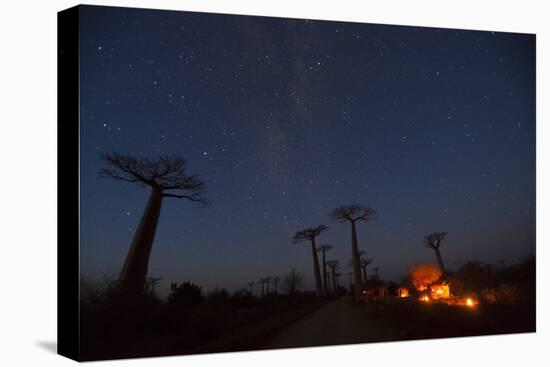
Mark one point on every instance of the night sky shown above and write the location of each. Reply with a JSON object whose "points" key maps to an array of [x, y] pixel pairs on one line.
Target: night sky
{"points": [[285, 119]]}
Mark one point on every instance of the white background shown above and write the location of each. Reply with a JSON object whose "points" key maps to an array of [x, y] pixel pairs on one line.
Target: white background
{"points": [[28, 182]]}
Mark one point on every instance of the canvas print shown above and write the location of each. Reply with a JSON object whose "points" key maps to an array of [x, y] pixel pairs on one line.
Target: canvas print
{"points": [[253, 183]]}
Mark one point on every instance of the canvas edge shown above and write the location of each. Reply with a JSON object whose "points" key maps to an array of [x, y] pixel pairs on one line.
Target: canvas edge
{"points": [[68, 195]]}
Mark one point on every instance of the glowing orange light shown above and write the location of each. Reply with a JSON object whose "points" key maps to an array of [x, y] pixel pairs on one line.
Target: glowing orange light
{"points": [[469, 302], [440, 291], [425, 298]]}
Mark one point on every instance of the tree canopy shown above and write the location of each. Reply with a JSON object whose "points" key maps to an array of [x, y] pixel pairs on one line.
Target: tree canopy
{"points": [[433, 240], [166, 174], [308, 234], [353, 213]]}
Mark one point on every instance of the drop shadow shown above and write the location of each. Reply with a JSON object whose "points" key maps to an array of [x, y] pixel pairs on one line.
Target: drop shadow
{"points": [[50, 346]]}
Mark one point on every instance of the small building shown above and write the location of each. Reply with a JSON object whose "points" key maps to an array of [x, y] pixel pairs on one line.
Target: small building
{"points": [[441, 290], [382, 291], [402, 292], [376, 289]]}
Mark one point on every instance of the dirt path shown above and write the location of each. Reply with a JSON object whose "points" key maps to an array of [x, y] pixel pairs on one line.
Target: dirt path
{"points": [[339, 322]]}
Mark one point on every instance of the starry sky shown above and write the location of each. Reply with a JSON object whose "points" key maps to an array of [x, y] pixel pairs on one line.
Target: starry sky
{"points": [[285, 119]]}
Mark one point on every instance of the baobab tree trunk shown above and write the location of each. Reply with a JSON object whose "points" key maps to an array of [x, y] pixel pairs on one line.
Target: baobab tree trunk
{"points": [[325, 290], [316, 268], [134, 271], [334, 287], [355, 262], [439, 260]]}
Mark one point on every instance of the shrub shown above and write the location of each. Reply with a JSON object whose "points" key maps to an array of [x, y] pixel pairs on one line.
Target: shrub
{"points": [[217, 296], [185, 294]]}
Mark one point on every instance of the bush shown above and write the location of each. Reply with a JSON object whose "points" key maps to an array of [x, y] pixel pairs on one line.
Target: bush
{"points": [[185, 294], [217, 296], [94, 294], [475, 276]]}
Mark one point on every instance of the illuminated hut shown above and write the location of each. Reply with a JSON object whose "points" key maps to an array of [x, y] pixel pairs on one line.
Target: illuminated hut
{"points": [[440, 291], [402, 292]]}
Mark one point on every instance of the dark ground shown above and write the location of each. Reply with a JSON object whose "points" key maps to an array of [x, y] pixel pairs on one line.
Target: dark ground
{"points": [[343, 322], [336, 322]]}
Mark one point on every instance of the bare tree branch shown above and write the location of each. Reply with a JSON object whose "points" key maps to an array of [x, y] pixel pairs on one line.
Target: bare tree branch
{"points": [[308, 234], [433, 240], [165, 174], [353, 213], [324, 248]]}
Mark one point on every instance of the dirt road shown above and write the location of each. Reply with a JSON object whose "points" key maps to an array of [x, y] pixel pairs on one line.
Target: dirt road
{"points": [[340, 322]]}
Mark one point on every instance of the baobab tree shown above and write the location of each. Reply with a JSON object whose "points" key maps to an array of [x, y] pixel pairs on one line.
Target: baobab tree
{"points": [[353, 214], [275, 283], [376, 276], [263, 282], [309, 234], [337, 277], [364, 262], [333, 265], [166, 177], [151, 285], [433, 241], [323, 249]]}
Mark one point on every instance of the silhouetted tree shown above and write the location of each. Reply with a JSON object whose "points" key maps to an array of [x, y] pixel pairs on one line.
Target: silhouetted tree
{"points": [[333, 265], [251, 285], [433, 241], [375, 276], [187, 294], [474, 276], [292, 282], [309, 234], [150, 285], [217, 296], [364, 263], [263, 281], [337, 281], [275, 283], [241, 298], [350, 281], [166, 177], [353, 214], [323, 249]]}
